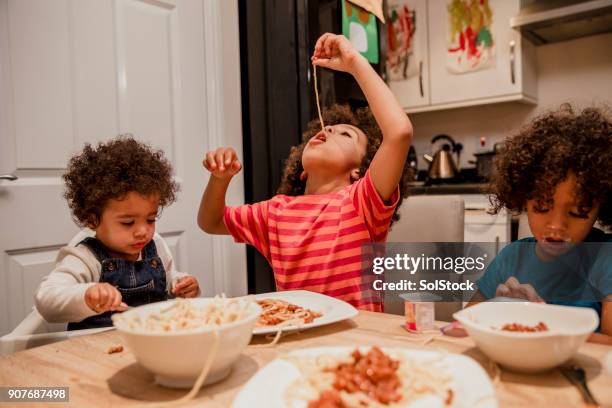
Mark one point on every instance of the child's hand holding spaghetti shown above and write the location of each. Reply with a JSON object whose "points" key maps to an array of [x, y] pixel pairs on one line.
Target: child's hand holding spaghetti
{"points": [[335, 52], [103, 297], [186, 287]]}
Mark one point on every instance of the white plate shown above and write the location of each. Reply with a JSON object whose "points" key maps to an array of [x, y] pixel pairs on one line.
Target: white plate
{"points": [[332, 309], [470, 383]]}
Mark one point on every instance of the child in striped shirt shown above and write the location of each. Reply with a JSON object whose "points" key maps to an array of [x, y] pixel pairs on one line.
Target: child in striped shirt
{"points": [[341, 188]]}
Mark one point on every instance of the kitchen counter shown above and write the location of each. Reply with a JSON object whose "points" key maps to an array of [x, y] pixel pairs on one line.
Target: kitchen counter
{"points": [[457, 188]]}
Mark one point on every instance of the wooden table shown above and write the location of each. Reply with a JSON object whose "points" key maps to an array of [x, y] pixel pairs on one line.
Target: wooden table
{"points": [[96, 378]]}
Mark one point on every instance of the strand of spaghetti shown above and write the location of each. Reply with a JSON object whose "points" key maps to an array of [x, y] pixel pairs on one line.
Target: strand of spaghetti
{"points": [[427, 340], [279, 333], [199, 381], [277, 337], [198, 384], [317, 97], [423, 338], [274, 341]]}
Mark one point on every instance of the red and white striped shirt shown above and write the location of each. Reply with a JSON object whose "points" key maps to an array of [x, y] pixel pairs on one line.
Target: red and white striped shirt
{"points": [[313, 242]]}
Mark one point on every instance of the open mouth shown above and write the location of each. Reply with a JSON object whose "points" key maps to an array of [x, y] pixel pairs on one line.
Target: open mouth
{"points": [[319, 138], [556, 244], [556, 240]]}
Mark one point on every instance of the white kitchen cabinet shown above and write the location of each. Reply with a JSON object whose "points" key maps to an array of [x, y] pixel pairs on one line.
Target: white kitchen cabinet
{"points": [[468, 73], [408, 65], [480, 226]]}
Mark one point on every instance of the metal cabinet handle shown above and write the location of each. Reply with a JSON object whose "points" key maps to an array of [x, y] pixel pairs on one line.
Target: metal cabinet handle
{"points": [[10, 177], [421, 78], [512, 60]]}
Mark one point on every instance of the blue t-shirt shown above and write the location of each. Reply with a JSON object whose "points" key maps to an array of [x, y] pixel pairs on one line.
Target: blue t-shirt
{"points": [[582, 277]]}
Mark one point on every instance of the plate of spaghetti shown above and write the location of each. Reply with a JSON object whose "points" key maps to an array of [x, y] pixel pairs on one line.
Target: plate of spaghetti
{"points": [[299, 309], [369, 377]]}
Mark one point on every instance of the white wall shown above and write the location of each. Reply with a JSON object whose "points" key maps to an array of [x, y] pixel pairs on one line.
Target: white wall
{"points": [[236, 278], [223, 103], [578, 71]]}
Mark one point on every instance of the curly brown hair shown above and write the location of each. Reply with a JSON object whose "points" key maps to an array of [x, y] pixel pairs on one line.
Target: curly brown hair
{"points": [[340, 114], [546, 150], [110, 171]]}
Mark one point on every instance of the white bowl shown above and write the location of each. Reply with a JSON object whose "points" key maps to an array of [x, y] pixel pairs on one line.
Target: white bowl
{"points": [[568, 328], [177, 358]]}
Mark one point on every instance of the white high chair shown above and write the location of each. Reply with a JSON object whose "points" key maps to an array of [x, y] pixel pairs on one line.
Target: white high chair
{"points": [[34, 331]]}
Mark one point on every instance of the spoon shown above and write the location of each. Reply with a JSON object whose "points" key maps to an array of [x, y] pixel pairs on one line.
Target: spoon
{"points": [[576, 375]]}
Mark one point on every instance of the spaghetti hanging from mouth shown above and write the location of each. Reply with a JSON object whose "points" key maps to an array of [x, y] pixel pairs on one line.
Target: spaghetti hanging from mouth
{"points": [[317, 97]]}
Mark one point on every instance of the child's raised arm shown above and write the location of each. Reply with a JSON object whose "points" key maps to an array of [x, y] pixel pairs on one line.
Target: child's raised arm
{"points": [[223, 164], [336, 52]]}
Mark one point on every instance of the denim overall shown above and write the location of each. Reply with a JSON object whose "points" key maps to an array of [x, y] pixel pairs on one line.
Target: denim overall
{"points": [[140, 282]]}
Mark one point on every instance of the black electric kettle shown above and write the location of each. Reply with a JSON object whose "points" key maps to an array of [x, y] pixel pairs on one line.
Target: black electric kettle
{"points": [[442, 166]]}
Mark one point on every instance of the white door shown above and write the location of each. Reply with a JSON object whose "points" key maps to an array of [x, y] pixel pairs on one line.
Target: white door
{"points": [[77, 71]]}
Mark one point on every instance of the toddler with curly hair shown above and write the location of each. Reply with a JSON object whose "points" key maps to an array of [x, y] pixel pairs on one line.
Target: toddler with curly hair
{"points": [[341, 188], [116, 190], [558, 169]]}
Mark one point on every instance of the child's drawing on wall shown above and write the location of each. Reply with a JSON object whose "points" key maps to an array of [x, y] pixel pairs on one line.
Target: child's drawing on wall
{"points": [[471, 45], [401, 30]]}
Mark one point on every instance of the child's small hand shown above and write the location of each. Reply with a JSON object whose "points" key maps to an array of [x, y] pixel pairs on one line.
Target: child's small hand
{"points": [[103, 297], [512, 288], [186, 287], [335, 52], [222, 163]]}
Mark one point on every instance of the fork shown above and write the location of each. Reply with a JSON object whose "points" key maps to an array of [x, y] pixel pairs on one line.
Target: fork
{"points": [[576, 375]]}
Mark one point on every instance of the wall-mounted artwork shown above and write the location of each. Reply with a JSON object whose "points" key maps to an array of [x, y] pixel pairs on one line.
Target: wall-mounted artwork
{"points": [[471, 46], [401, 30], [373, 6], [359, 26]]}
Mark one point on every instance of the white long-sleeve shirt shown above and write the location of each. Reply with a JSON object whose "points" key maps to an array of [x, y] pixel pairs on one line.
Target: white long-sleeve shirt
{"points": [[61, 294]]}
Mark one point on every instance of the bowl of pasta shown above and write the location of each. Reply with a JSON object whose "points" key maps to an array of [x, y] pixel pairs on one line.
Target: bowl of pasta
{"points": [[188, 343], [539, 336]]}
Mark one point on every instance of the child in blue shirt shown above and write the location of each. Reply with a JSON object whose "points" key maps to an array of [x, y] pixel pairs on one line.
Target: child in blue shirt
{"points": [[559, 170]]}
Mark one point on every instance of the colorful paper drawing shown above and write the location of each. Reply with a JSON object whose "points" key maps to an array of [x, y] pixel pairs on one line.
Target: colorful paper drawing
{"points": [[471, 46], [401, 30], [359, 26], [373, 6]]}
